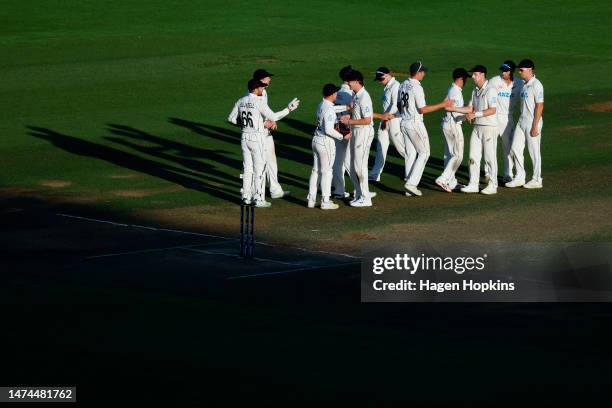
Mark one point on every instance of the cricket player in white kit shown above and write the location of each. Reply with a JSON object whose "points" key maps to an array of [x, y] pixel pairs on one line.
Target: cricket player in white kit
{"points": [[250, 113], [508, 90], [271, 171], [482, 110], [412, 106], [390, 129], [453, 133], [529, 128], [324, 149], [342, 162], [362, 130]]}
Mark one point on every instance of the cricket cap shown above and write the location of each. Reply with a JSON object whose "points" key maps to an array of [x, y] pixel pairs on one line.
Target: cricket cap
{"points": [[526, 63], [479, 68], [261, 74], [508, 65]]}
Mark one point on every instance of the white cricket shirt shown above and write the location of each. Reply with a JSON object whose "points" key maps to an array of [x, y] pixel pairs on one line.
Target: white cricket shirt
{"points": [[483, 99], [507, 94], [362, 107], [251, 111], [411, 97], [532, 93], [455, 94], [326, 118], [389, 97]]}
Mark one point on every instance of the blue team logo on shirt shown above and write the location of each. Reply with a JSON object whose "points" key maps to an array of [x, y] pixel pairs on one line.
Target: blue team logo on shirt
{"points": [[504, 94], [524, 94], [367, 109]]}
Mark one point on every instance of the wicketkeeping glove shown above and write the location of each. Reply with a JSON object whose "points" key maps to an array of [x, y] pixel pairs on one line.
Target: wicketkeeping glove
{"points": [[293, 105]]}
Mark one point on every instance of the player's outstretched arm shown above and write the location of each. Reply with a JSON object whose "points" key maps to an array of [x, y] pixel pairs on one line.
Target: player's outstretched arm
{"points": [[348, 121], [446, 103], [276, 116], [462, 109]]}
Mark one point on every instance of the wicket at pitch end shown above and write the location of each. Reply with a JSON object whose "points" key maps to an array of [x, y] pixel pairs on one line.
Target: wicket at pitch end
{"points": [[247, 224]]}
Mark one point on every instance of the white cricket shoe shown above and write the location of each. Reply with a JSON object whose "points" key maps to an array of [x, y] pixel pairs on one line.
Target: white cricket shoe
{"points": [[489, 190], [413, 190], [311, 204], [246, 201], [470, 188], [344, 195], [263, 204], [443, 186], [329, 205], [515, 183], [533, 184], [282, 194], [373, 194], [362, 202]]}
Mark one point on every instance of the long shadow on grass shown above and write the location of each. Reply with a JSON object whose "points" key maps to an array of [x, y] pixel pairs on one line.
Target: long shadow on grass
{"points": [[434, 164], [200, 181], [285, 145]]}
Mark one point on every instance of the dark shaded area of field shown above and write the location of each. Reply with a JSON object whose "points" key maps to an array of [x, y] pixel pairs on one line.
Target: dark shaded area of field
{"points": [[149, 315]]}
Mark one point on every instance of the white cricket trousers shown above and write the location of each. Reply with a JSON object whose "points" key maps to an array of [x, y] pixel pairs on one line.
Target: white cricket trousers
{"points": [[271, 165], [483, 138], [324, 153], [522, 133], [360, 151], [415, 129], [253, 166], [453, 151], [393, 131], [342, 163], [505, 129]]}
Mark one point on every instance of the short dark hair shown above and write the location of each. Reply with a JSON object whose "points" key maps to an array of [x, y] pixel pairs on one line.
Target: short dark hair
{"points": [[344, 72], [355, 75], [460, 73]]}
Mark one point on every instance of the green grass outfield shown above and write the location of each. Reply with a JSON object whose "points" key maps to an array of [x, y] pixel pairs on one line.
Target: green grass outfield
{"points": [[117, 110], [123, 106]]}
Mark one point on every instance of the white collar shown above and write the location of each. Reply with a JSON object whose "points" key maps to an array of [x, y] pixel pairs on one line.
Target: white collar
{"points": [[391, 82], [530, 79], [326, 102], [359, 92]]}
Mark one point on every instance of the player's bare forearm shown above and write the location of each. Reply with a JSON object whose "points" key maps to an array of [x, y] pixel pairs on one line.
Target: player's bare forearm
{"points": [[381, 116], [432, 108], [462, 109], [489, 112], [348, 121], [535, 131], [358, 122]]}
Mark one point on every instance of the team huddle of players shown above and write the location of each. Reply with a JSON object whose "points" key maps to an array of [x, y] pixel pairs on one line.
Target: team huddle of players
{"points": [[344, 133]]}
